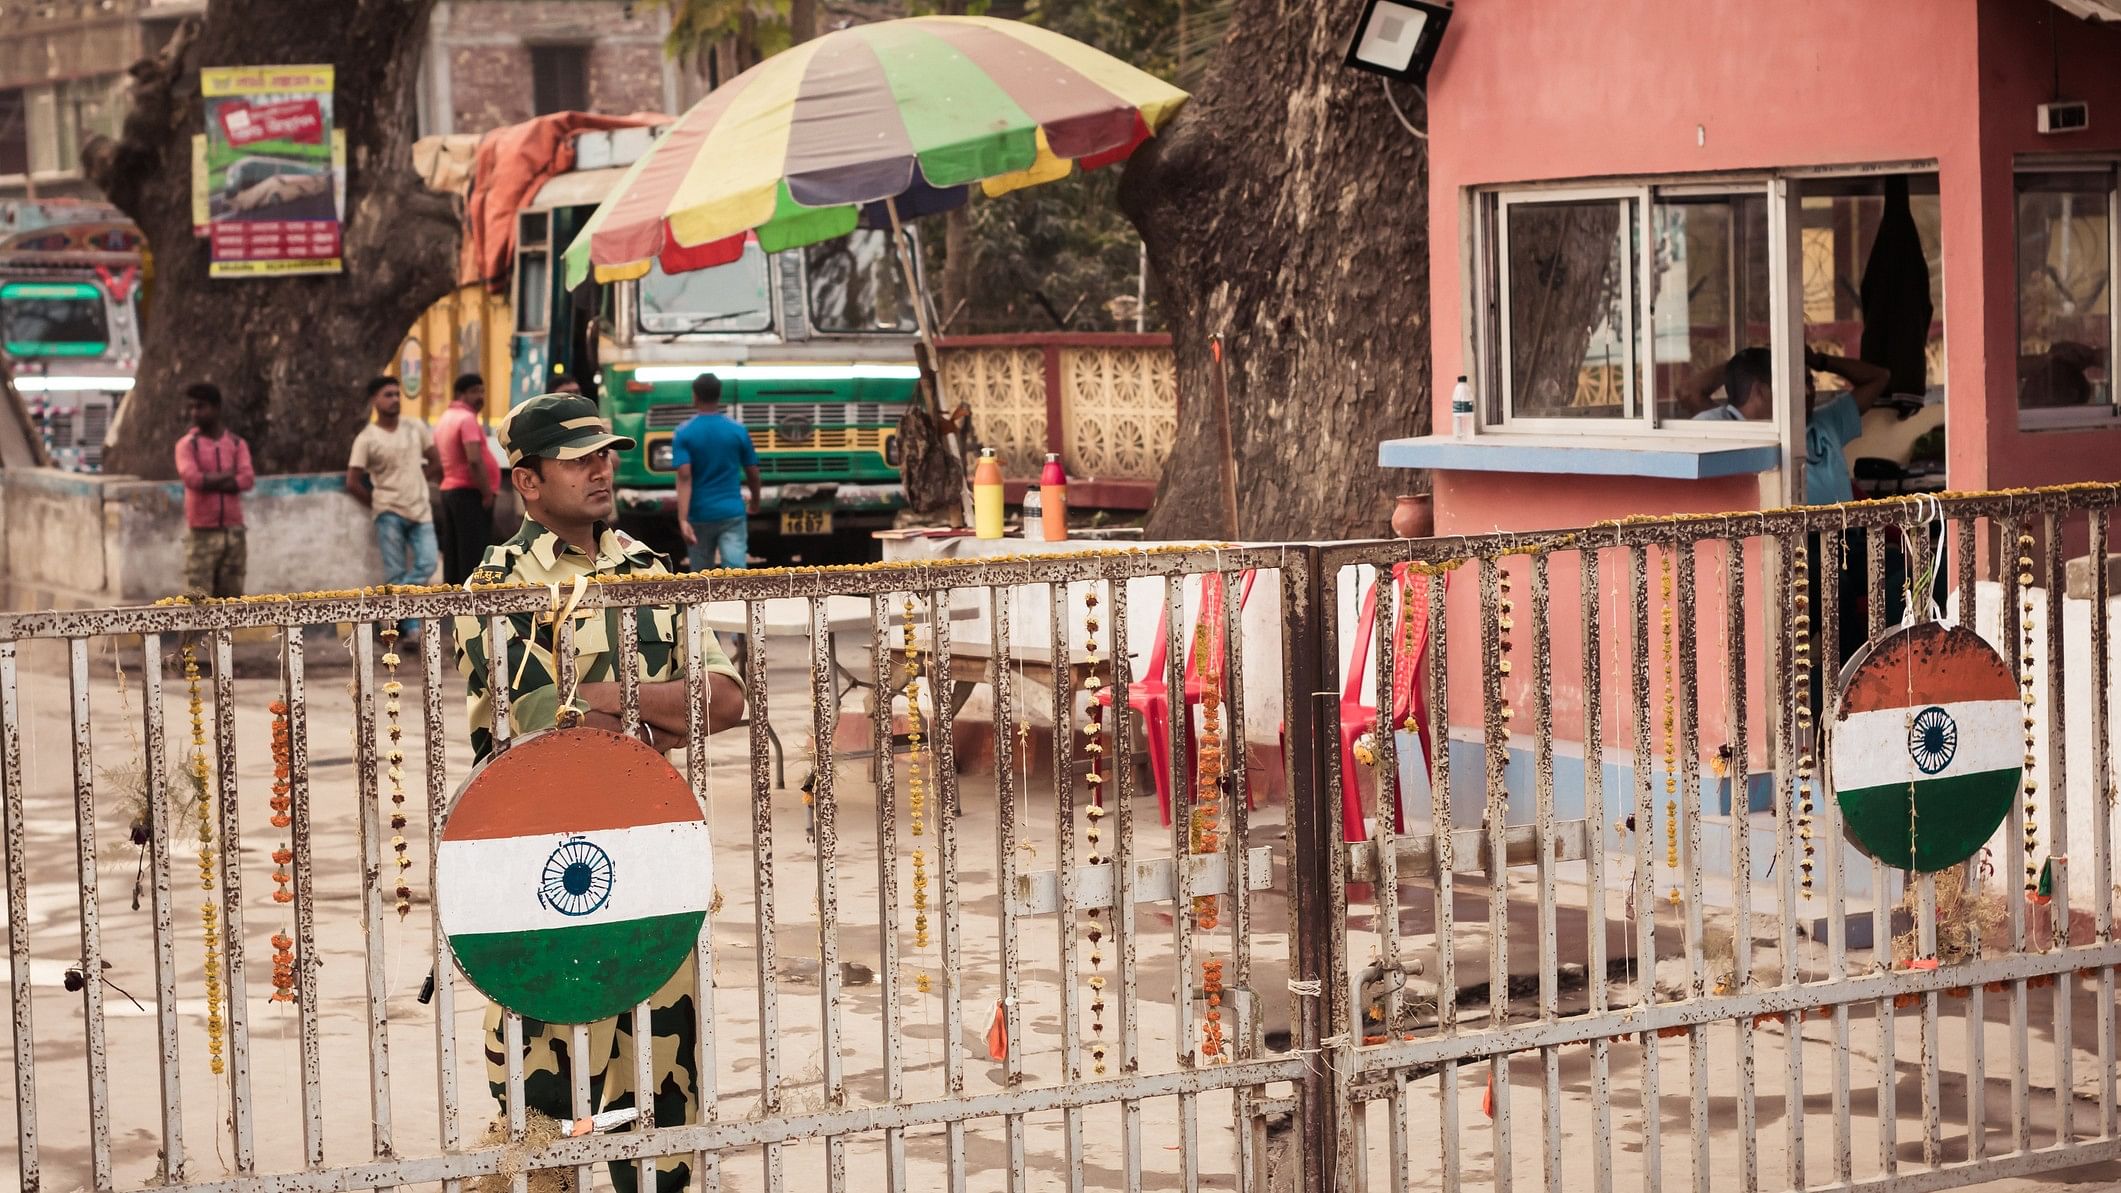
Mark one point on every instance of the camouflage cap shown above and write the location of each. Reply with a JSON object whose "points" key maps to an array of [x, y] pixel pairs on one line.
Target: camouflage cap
{"points": [[556, 427]]}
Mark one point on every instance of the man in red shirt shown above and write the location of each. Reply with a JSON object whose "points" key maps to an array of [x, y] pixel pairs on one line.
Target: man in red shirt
{"points": [[214, 463], [471, 476]]}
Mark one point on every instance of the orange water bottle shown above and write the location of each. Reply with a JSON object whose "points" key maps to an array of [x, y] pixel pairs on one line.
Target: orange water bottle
{"points": [[987, 496], [1053, 498]]}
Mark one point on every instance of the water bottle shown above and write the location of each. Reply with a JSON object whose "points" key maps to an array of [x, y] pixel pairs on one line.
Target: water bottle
{"points": [[1034, 511], [1053, 499], [987, 496], [1461, 410]]}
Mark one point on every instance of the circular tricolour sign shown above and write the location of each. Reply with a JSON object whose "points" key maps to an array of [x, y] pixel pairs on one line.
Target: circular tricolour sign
{"points": [[1928, 745], [573, 875]]}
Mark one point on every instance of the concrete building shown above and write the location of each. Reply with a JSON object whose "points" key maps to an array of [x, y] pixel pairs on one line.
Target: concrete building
{"points": [[489, 63]]}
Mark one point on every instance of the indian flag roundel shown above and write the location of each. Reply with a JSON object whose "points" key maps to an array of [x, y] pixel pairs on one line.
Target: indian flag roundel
{"points": [[1928, 745], [573, 875]]}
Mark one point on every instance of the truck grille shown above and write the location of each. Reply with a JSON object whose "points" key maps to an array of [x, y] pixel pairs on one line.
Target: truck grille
{"points": [[804, 464], [762, 416]]}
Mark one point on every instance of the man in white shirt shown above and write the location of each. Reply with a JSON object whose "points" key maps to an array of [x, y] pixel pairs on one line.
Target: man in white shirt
{"points": [[393, 459]]}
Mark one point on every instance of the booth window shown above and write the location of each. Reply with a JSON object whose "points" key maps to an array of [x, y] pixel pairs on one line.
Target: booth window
{"points": [[2065, 220], [1615, 309]]}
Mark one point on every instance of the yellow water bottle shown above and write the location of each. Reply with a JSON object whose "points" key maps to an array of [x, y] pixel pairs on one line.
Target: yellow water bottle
{"points": [[987, 496]]}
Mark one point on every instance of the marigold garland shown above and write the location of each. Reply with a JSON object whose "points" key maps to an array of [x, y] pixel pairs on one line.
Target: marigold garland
{"points": [[1094, 814], [396, 757], [1671, 723], [1207, 818], [209, 915], [283, 958]]}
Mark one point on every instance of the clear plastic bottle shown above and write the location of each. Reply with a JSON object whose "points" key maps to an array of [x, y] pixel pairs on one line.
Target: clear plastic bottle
{"points": [[1461, 410]]}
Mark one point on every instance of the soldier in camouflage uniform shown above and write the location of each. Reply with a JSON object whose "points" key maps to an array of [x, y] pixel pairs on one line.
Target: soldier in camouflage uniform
{"points": [[560, 456]]}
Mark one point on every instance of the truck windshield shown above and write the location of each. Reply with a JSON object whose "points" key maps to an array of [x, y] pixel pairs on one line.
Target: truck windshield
{"points": [[727, 298], [53, 319], [855, 284]]}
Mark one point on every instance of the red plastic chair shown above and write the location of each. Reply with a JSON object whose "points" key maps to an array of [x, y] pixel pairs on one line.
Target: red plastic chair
{"points": [[1150, 697], [1409, 693]]}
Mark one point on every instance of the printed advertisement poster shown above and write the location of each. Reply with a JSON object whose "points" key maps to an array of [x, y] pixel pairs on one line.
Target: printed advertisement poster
{"points": [[268, 170]]}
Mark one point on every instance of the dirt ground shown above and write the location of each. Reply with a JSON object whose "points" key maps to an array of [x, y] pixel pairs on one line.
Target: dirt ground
{"points": [[415, 1124]]}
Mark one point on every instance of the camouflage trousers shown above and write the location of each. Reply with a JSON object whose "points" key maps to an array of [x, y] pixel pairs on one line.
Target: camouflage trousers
{"points": [[548, 1080]]}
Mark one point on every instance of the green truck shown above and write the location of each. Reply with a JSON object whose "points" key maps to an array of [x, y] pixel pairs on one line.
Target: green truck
{"points": [[814, 346]]}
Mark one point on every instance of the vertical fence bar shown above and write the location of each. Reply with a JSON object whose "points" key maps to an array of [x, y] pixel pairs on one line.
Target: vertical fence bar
{"points": [[1876, 542], [824, 692], [1179, 737], [707, 1164], [1642, 905], [1247, 1034], [764, 923], [1543, 827], [1305, 613], [1064, 873], [1123, 847], [91, 962], [1440, 833], [436, 753], [499, 681], [642, 1079], [18, 922], [230, 828], [1689, 729], [155, 774], [1787, 847], [881, 771], [945, 813], [1826, 661], [565, 675], [1005, 831], [1739, 770], [2057, 835], [1392, 611], [1976, 1013], [1496, 714], [1594, 827], [378, 1022], [2102, 813], [2017, 589], [1914, 568], [302, 834]]}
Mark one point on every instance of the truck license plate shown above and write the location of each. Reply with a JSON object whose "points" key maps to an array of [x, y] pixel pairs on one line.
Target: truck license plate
{"points": [[806, 521]]}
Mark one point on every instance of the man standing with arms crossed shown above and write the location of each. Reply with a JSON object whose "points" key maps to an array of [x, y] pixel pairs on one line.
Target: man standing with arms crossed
{"points": [[214, 463], [713, 453], [561, 460], [470, 480], [393, 459]]}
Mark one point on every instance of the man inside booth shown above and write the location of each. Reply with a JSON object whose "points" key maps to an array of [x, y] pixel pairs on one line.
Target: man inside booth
{"points": [[1829, 426]]}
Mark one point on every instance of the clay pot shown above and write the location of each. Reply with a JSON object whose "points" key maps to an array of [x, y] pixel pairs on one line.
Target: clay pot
{"points": [[1413, 516]]}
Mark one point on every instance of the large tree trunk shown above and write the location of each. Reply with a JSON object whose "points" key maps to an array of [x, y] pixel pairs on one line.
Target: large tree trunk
{"points": [[1287, 208], [289, 354]]}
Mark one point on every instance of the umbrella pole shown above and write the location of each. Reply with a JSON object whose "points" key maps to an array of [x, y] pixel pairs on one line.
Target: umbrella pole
{"points": [[931, 376]]}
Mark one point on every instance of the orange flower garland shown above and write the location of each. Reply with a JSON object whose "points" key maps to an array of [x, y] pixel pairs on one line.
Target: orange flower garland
{"points": [[283, 958], [1094, 746], [1207, 824]]}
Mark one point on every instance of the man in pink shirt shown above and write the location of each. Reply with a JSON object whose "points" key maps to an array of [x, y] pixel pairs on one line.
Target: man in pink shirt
{"points": [[214, 463], [471, 476]]}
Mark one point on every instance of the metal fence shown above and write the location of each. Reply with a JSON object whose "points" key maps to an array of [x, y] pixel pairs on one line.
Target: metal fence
{"points": [[1243, 998]]}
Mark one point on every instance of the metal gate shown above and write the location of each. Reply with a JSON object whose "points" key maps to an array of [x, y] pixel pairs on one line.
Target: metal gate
{"points": [[982, 959]]}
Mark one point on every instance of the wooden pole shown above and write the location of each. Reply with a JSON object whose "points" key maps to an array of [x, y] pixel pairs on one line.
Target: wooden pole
{"points": [[1229, 456], [931, 373]]}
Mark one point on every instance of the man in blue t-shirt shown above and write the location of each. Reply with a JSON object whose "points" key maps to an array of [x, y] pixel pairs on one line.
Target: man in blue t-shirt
{"points": [[713, 453]]}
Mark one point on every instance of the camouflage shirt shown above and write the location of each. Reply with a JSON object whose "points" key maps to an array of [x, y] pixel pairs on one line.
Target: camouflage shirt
{"points": [[538, 556]]}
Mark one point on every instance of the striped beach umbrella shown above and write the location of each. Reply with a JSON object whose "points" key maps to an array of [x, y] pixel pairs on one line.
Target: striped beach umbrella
{"points": [[1928, 745], [573, 875], [866, 126]]}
